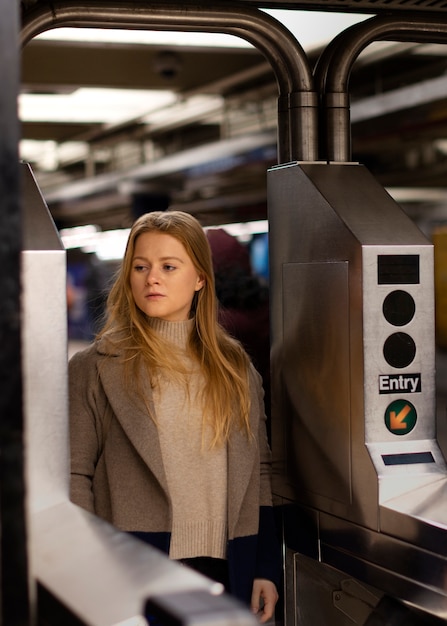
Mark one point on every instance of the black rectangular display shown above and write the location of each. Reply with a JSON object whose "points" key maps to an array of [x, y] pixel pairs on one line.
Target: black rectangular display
{"points": [[398, 269], [408, 458]]}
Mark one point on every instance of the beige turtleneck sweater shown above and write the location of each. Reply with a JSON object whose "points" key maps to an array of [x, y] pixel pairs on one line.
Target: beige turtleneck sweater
{"points": [[196, 475]]}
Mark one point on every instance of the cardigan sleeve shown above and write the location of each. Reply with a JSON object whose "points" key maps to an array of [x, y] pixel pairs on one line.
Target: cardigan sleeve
{"points": [[265, 456], [268, 564], [86, 407]]}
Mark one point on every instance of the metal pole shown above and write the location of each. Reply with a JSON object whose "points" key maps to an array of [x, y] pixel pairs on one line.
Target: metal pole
{"points": [[334, 67], [15, 604], [297, 103]]}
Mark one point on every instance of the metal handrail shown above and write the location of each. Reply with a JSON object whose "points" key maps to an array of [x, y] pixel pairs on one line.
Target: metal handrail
{"points": [[334, 67], [297, 101]]}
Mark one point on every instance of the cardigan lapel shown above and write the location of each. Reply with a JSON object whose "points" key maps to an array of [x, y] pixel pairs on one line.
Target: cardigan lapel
{"points": [[132, 414]]}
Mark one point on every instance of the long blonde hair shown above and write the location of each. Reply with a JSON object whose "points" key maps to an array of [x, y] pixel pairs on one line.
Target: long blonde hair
{"points": [[224, 363]]}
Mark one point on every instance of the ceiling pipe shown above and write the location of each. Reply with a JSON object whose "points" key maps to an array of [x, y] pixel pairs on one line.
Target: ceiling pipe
{"points": [[334, 66], [297, 100]]}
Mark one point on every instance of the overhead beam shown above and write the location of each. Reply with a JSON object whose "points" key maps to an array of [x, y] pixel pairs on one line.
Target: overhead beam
{"points": [[56, 66]]}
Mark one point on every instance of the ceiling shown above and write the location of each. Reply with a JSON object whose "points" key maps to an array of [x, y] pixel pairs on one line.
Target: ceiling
{"points": [[208, 150]]}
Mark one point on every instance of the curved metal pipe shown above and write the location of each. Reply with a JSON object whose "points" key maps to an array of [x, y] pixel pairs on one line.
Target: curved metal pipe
{"points": [[334, 67], [297, 102]]}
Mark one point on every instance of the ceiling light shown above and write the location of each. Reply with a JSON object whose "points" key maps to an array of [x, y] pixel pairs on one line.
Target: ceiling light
{"points": [[149, 37], [92, 105]]}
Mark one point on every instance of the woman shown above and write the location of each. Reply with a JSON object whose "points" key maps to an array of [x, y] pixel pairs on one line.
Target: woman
{"points": [[166, 417]]}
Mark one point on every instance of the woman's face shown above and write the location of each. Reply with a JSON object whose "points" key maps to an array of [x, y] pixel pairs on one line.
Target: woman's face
{"points": [[163, 278]]}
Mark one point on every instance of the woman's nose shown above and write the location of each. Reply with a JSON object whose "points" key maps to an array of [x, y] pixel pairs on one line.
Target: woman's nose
{"points": [[152, 277]]}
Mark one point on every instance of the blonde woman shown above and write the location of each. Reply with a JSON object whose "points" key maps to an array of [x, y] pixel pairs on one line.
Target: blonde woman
{"points": [[167, 420]]}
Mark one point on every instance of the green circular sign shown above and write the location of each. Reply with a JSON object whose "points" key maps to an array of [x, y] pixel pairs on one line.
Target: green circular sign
{"points": [[400, 417]]}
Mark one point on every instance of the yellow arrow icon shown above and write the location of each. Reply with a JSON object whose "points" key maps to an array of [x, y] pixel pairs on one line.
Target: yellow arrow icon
{"points": [[397, 419]]}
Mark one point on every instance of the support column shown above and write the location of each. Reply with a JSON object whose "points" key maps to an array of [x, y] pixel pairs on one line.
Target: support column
{"points": [[14, 587]]}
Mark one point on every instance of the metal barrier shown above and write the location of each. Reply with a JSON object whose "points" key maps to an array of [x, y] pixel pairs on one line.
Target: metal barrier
{"points": [[353, 414]]}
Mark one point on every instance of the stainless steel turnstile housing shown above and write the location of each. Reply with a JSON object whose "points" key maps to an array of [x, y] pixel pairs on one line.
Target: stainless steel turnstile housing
{"points": [[358, 470]]}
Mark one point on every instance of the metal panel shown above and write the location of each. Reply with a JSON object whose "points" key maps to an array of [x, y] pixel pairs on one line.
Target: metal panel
{"points": [[316, 313], [326, 595], [44, 311], [305, 228], [404, 570]]}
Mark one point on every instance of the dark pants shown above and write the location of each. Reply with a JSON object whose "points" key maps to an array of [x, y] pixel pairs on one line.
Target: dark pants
{"points": [[216, 569]]}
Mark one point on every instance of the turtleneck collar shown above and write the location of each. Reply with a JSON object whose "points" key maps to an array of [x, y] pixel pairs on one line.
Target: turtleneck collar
{"points": [[175, 332]]}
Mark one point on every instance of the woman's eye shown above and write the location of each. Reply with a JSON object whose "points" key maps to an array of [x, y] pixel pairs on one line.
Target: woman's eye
{"points": [[168, 267], [139, 268]]}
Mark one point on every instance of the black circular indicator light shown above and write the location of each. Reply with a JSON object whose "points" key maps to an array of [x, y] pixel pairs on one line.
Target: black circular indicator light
{"points": [[399, 308], [399, 350]]}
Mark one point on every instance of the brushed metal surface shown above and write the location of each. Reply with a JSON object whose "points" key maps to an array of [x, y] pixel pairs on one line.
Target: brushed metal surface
{"points": [[316, 313]]}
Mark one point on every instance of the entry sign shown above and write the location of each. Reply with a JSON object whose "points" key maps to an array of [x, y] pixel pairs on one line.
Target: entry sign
{"points": [[395, 383], [400, 417]]}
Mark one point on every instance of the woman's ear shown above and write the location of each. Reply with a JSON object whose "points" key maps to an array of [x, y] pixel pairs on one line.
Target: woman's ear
{"points": [[200, 282]]}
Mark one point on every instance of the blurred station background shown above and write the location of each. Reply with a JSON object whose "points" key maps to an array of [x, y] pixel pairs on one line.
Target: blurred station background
{"points": [[116, 123]]}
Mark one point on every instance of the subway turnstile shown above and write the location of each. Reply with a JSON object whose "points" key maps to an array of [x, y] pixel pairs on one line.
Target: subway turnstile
{"points": [[358, 471]]}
